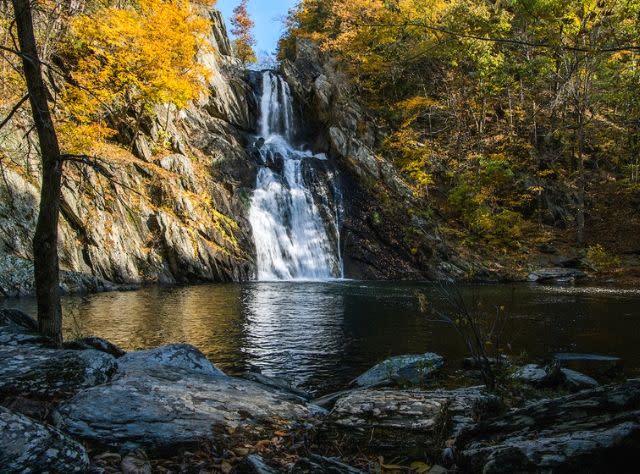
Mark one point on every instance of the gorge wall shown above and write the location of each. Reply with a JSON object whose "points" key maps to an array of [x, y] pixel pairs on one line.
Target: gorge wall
{"points": [[170, 210], [174, 207]]}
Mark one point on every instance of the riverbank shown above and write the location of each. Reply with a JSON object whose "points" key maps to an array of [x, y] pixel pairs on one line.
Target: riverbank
{"points": [[91, 407]]}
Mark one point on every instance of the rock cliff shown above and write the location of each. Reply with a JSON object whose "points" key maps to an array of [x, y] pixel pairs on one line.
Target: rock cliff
{"points": [[168, 209], [385, 232]]}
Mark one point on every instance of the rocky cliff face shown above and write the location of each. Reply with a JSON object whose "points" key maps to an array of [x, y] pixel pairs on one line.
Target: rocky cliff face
{"points": [[171, 211], [385, 233]]}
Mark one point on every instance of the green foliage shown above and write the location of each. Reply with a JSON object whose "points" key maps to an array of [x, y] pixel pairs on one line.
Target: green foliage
{"points": [[550, 85], [476, 199], [601, 260]]}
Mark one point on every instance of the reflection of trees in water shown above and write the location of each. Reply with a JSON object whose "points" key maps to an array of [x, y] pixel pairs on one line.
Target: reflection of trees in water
{"points": [[293, 330]]}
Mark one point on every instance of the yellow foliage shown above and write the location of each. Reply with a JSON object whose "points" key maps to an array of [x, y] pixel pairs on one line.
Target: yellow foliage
{"points": [[125, 60]]}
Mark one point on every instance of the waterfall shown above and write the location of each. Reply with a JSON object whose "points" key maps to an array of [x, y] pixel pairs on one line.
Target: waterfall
{"points": [[293, 241]]}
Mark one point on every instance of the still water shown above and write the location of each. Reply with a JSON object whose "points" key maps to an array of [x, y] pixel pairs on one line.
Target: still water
{"points": [[322, 335]]}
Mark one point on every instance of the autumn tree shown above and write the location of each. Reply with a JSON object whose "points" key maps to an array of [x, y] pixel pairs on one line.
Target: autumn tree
{"points": [[89, 74], [539, 92], [243, 32], [124, 61]]}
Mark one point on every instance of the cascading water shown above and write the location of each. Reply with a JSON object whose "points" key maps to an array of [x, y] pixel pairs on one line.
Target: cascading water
{"points": [[292, 239]]}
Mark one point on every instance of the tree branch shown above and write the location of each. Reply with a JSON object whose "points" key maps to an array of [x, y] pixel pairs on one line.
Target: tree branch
{"points": [[13, 111], [610, 49]]}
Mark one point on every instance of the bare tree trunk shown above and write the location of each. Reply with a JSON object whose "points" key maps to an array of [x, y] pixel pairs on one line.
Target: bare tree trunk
{"points": [[45, 241]]}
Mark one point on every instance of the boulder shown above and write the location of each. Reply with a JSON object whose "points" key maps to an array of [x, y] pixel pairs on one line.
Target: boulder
{"points": [[28, 447], [554, 376], [165, 407], [405, 419], [559, 275], [178, 356], [597, 430], [533, 374], [591, 364], [405, 369], [37, 371], [577, 381]]}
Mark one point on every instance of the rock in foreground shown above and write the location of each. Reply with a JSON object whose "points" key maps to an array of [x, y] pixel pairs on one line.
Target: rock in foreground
{"points": [[172, 396], [597, 429], [28, 446], [403, 370], [33, 370], [401, 419]]}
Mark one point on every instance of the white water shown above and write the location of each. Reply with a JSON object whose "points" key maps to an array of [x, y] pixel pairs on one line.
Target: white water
{"points": [[292, 241]]}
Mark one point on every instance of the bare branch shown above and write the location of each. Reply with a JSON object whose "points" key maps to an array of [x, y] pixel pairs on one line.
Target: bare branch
{"points": [[13, 111]]}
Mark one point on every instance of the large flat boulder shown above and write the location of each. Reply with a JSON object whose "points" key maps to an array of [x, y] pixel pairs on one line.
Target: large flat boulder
{"points": [[30, 447], [166, 407], [597, 429], [402, 370], [401, 419], [179, 356], [32, 370]]}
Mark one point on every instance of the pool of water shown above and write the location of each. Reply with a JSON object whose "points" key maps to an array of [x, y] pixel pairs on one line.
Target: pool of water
{"points": [[322, 335]]}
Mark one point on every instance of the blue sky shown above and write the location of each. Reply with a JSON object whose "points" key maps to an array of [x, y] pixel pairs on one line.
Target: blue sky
{"points": [[266, 14]]}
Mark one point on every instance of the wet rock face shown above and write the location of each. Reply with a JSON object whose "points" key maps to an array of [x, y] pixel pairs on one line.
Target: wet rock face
{"points": [[374, 235], [596, 429], [28, 447]]}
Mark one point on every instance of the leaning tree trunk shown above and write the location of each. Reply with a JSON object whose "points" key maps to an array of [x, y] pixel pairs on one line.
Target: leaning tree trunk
{"points": [[45, 241]]}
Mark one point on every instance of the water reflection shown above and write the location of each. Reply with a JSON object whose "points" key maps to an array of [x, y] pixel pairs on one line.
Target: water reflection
{"points": [[321, 335], [293, 329]]}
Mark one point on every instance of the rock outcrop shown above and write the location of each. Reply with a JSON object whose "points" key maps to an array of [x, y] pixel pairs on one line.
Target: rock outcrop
{"points": [[28, 447], [413, 421], [402, 370], [172, 396], [30, 366], [595, 429], [35, 371], [384, 235], [171, 212]]}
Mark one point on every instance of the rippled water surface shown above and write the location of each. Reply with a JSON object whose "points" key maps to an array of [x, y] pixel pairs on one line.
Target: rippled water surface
{"points": [[321, 335]]}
